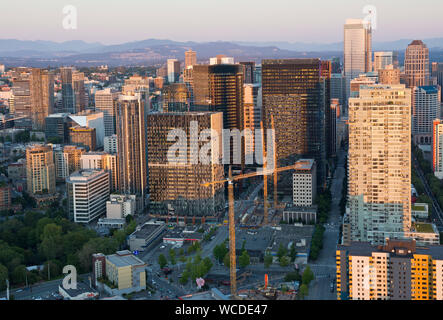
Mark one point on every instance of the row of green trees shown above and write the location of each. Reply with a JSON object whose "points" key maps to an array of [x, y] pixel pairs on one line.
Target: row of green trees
{"points": [[435, 184], [316, 242]]}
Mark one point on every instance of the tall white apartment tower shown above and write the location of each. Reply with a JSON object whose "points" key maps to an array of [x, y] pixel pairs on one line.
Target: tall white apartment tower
{"points": [[357, 49], [379, 165], [104, 102]]}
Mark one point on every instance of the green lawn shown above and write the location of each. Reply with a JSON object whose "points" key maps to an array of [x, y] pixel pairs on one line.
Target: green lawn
{"points": [[424, 228], [418, 208]]}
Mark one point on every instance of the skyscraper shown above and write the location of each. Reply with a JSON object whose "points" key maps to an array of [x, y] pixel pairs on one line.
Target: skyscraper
{"points": [[389, 75], [294, 92], [417, 64], [190, 58], [176, 98], [426, 108], [68, 94], [22, 96], [357, 49], [379, 199], [177, 185], [104, 102], [67, 161], [40, 169], [252, 117], [78, 84], [437, 148], [131, 135], [248, 71], [42, 97], [382, 59], [173, 70]]}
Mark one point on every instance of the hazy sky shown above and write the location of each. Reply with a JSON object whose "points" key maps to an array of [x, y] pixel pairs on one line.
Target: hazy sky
{"points": [[116, 21]]}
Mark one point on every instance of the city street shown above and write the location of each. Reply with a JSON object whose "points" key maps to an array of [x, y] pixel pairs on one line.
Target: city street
{"points": [[324, 267]]}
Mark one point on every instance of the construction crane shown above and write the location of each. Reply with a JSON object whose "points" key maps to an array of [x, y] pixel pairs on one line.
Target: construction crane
{"points": [[230, 180]]}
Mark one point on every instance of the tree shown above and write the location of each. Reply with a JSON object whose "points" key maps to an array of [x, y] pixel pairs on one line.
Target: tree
{"points": [[184, 277], [292, 276], [293, 253], [220, 252], [307, 276], [3, 277], [244, 260], [304, 291], [52, 244], [268, 260], [282, 251], [19, 274], [208, 264], [162, 261], [172, 256], [284, 261]]}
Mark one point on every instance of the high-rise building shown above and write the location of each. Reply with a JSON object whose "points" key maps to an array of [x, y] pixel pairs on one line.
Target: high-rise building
{"points": [[252, 117], [22, 96], [426, 108], [68, 94], [221, 59], [248, 71], [102, 160], [437, 148], [355, 84], [382, 59], [83, 137], [334, 113], [219, 88], [294, 93], [178, 185], [5, 197], [329, 127], [42, 97], [104, 102], [379, 165], [399, 270], [78, 84], [93, 120], [437, 73], [132, 157], [190, 58], [57, 128], [417, 64], [88, 191], [176, 98], [304, 183], [40, 169], [67, 161], [389, 75], [173, 70], [111, 144], [338, 88], [357, 49]]}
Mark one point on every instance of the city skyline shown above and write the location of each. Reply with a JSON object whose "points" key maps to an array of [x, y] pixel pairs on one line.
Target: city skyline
{"points": [[323, 18]]}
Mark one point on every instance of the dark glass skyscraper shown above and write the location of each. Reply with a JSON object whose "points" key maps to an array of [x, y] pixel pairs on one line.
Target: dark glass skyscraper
{"points": [[294, 92]]}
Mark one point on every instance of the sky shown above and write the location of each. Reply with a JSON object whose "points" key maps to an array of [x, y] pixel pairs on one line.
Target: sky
{"points": [[117, 21]]}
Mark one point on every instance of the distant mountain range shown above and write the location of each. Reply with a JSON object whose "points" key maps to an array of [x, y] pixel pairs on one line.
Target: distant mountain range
{"points": [[151, 51]]}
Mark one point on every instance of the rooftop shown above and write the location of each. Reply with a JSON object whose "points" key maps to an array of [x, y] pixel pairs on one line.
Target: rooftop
{"points": [[304, 164], [85, 175], [124, 258]]}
